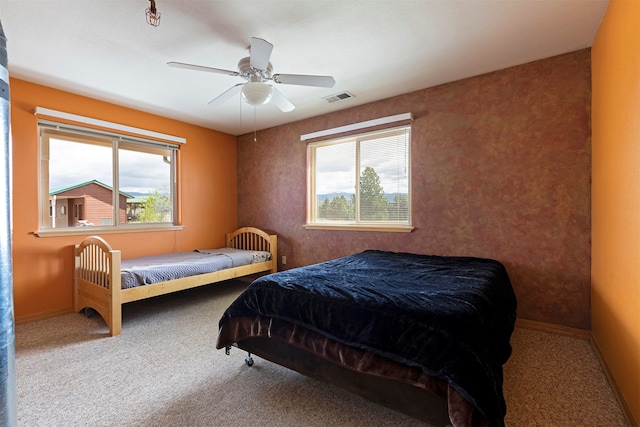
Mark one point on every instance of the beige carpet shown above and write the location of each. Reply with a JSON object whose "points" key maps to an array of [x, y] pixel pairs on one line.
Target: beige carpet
{"points": [[164, 371]]}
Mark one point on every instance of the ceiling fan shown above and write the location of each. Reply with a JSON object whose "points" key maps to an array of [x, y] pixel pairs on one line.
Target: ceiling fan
{"points": [[256, 69]]}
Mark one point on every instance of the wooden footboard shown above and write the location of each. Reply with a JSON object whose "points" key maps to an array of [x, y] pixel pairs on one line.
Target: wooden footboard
{"points": [[97, 282]]}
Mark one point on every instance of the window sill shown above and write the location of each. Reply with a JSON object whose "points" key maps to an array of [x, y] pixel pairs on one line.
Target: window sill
{"points": [[86, 231], [360, 227]]}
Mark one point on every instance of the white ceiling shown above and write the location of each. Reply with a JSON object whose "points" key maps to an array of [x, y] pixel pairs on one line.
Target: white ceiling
{"points": [[374, 49]]}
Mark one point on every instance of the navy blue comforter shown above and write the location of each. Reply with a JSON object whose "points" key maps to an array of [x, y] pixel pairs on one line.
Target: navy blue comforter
{"points": [[452, 317]]}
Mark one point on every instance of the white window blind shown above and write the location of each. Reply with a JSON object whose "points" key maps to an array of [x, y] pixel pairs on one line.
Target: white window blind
{"points": [[360, 127], [362, 180], [84, 121]]}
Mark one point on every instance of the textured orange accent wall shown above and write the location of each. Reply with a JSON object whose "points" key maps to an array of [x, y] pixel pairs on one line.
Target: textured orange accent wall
{"points": [[616, 197], [42, 266], [501, 168]]}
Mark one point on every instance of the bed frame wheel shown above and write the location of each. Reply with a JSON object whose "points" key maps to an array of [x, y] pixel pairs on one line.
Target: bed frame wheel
{"points": [[248, 360]]}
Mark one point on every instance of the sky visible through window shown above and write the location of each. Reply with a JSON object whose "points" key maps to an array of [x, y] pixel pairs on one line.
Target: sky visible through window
{"points": [[73, 163], [335, 166]]}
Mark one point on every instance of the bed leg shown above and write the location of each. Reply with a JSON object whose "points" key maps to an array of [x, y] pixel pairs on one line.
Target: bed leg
{"points": [[248, 360]]}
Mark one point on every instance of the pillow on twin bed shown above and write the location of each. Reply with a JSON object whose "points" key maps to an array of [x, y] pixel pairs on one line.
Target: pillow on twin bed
{"points": [[258, 256], [261, 256]]}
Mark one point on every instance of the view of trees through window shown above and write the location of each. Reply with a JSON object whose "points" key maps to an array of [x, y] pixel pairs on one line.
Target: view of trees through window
{"points": [[154, 207], [375, 205]]}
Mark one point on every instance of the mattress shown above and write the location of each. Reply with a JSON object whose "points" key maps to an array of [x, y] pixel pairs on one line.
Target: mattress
{"points": [[161, 268]]}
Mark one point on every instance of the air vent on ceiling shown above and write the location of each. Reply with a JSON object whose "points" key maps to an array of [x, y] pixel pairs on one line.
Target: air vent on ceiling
{"points": [[339, 96]]}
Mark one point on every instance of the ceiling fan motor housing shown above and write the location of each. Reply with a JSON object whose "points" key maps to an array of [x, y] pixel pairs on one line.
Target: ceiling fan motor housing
{"points": [[249, 72]]}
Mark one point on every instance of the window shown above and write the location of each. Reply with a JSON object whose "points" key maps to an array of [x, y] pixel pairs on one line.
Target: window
{"points": [[361, 181], [91, 178]]}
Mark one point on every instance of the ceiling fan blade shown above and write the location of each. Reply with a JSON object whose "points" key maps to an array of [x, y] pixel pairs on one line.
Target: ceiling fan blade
{"points": [[281, 101], [260, 51], [227, 94], [202, 68], [304, 80]]}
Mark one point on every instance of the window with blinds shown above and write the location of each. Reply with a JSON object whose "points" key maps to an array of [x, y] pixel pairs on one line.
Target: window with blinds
{"points": [[100, 179], [361, 181]]}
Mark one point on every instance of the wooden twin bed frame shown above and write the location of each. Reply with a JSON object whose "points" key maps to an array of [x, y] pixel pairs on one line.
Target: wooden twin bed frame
{"points": [[97, 280]]}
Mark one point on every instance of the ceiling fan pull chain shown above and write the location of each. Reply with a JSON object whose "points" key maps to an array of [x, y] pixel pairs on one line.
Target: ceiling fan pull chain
{"points": [[255, 136], [240, 111]]}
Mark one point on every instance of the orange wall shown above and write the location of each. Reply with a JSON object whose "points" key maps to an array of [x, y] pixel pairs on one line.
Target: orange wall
{"points": [[501, 168], [615, 286], [42, 266]]}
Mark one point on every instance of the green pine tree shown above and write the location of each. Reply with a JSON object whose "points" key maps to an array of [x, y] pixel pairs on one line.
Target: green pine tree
{"points": [[373, 203]]}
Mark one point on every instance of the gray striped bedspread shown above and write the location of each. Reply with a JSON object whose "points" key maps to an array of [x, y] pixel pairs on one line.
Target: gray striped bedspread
{"points": [[161, 268]]}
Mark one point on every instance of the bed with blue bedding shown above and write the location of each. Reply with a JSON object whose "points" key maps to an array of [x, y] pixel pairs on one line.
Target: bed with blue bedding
{"points": [[427, 335]]}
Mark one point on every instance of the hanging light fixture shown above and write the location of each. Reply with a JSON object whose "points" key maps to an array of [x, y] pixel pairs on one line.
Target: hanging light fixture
{"points": [[153, 16], [256, 93]]}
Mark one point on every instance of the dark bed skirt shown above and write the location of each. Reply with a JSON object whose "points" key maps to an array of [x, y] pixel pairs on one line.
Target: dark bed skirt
{"points": [[375, 378]]}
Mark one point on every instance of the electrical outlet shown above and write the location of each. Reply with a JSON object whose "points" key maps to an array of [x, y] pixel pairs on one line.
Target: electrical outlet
{"points": [[284, 259]]}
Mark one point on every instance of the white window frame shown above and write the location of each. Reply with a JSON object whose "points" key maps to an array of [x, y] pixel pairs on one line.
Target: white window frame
{"points": [[116, 138], [312, 222]]}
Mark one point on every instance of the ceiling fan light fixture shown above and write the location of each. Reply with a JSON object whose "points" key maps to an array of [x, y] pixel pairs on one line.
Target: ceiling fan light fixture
{"points": [[256, 93]]}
